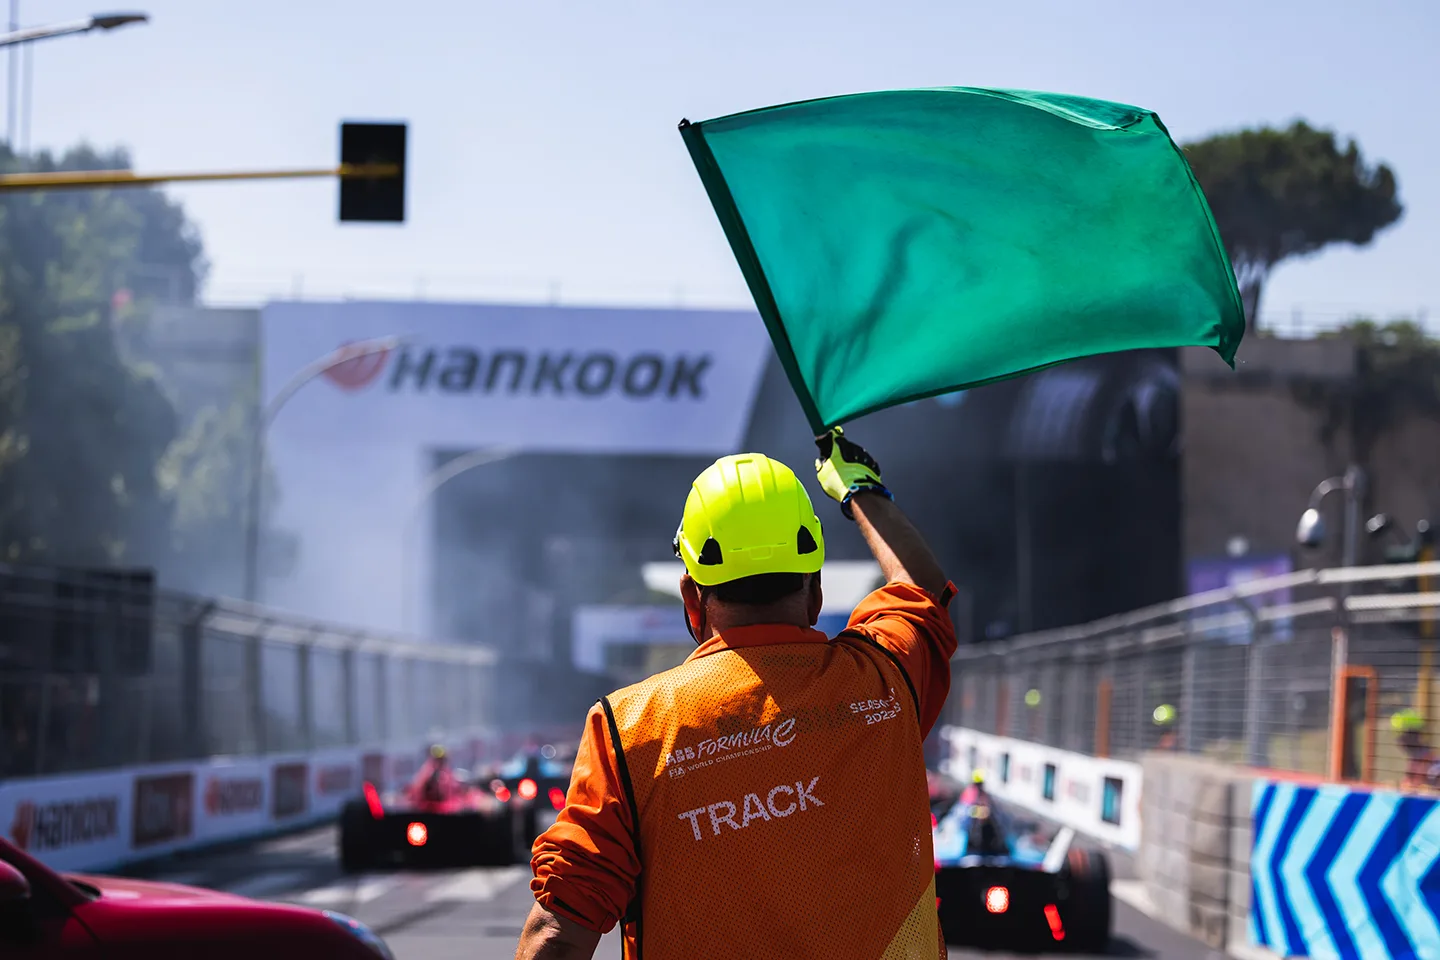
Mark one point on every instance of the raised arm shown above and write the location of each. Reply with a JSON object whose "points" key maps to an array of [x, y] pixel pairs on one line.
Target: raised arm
{"points": [[849, 474], [901, 551]]}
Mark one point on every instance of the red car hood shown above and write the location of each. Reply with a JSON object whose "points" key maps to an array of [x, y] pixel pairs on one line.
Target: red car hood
{"points": [[123, 888]]}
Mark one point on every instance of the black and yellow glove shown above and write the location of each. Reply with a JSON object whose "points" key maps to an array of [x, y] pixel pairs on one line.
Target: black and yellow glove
{"points": [[845, 469]]}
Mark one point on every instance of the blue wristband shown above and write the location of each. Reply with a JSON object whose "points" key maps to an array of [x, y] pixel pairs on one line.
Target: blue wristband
{"points": [[879, 488]]}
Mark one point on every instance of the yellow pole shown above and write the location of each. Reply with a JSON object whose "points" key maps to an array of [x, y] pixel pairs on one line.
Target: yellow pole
{"points": [[81, 179], [1426, 584], [1423, 687]]}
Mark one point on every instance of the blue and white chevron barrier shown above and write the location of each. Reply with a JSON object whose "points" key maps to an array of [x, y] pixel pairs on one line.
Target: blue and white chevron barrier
{"points": [[1346, 873]]}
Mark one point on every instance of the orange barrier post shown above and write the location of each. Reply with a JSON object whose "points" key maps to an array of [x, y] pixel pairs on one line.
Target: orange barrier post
{"points": [[1345, 765]]}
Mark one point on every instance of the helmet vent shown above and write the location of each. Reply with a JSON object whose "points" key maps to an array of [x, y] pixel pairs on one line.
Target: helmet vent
{"points": [[805, 542], [710, 555]]}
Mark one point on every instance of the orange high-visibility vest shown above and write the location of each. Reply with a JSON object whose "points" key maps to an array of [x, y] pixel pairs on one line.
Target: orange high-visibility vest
{"points": [[781, 803]]}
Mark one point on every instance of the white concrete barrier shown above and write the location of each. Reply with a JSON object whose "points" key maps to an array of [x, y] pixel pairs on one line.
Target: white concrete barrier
{"points": [[96, 821], [1098, 797]]}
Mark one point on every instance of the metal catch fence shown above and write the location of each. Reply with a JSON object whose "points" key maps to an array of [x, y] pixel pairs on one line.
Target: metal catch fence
{"points": [[102, 670], [1326, 673]]}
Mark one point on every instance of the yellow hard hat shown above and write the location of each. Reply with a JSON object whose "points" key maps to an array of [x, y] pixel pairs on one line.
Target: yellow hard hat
{"points": [[977, 777], [747, 515], [1407, 721], [437, 751]]}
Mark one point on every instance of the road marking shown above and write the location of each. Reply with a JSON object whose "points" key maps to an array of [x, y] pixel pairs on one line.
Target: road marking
{"points": [[354, 892], [266, 884], [308, 842], [477, 885]]}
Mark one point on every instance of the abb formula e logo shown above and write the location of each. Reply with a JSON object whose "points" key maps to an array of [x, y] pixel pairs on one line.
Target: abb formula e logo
{"points": [[334, 779], [289, 792], [53, 826], [164, 808]]}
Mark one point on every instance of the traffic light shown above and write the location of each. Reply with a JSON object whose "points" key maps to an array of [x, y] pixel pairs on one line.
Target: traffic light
{"points": [[378, 198]]}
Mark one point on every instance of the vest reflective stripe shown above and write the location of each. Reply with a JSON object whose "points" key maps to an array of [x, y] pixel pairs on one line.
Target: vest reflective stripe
{"points": [[781, 804]]}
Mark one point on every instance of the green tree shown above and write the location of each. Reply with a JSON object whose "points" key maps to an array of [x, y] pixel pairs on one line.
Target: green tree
{"points": [[82, 430], [205, 474], [1278, 194]]}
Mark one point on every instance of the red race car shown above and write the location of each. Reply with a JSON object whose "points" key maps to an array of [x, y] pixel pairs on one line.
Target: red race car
{"points": [[46, 914], [438, 819]]}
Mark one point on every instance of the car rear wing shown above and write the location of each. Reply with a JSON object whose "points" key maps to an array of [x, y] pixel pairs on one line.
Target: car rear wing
{"points": [[1059, 850]]}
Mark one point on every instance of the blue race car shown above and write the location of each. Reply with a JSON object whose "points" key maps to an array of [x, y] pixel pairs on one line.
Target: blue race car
{"points": [[999, 888], [533, 784]]}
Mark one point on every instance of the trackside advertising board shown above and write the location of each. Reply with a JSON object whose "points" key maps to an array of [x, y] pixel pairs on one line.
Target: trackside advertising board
{"points": [[96, 821], [233, 799], [1097, 796], [351, 451], [70, 822]]}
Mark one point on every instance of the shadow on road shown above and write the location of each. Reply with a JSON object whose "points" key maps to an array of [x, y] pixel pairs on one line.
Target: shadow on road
{"points": [[1120, 946], [1125, 947]]}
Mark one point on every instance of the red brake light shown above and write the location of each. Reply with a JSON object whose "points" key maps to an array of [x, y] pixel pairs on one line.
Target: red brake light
{"points": [[1052, 917], [934, 821], [372, 800], [997, 899], [417, 834], [528, 789], [502, 793], [557, 798]]}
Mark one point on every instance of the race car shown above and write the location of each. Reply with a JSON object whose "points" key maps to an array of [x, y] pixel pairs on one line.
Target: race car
{"points": [[533, 782], [1002, 888], [439, 819], [47, 914]]}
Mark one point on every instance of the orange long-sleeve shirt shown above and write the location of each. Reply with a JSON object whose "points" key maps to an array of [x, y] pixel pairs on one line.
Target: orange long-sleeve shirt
{"points": [[586, 867]]}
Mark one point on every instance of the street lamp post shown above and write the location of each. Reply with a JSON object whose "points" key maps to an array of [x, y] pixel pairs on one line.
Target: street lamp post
{"points": [[436, 480], [1310, 532], [101, 21], [17, 36], [351, 351]]}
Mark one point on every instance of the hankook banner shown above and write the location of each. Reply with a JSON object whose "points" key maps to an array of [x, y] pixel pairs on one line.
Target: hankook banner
{"points": [[351, 451], [552, 379]]}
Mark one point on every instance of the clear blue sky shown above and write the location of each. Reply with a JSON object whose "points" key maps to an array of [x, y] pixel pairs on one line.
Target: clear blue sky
{"points": [[543, 141]]}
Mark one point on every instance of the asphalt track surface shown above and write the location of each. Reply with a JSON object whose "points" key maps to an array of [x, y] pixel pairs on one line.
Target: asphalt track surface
{"points": [[476, 914]]}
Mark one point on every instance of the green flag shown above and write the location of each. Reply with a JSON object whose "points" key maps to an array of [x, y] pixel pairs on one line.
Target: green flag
{"points": [[909, 243]]}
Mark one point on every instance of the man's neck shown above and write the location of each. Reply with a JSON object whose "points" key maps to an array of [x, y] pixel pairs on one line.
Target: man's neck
{"points": [[714, 629]]}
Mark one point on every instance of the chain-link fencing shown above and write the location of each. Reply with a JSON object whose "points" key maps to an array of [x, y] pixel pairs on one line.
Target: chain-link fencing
{"points": [[1329, 673]]}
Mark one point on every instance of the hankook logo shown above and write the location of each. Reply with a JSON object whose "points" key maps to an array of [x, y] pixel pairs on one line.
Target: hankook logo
{"points": [[52, 826], [358, 372], [462, 370], [224, 796]]}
